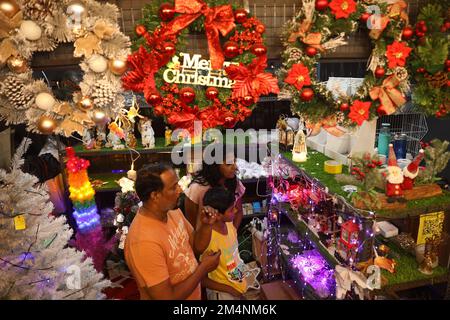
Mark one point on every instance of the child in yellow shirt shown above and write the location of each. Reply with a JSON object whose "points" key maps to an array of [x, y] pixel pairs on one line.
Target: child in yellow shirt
{"points": [[227, 281]]}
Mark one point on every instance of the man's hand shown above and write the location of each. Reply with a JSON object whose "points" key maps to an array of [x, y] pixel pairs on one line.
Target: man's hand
{"points": [[210, 261], [208, 215]]}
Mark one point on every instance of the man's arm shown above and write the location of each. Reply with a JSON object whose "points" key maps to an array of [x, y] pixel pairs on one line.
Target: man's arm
{"points": [[202, 235], [191, 210]]}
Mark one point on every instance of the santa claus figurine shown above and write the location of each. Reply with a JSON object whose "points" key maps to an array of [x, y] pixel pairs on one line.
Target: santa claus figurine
{"points": [[394, 179], [411, 171]]}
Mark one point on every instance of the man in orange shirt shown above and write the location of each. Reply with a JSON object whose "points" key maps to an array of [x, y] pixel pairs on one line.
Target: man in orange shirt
{"points": [[158, 248]]}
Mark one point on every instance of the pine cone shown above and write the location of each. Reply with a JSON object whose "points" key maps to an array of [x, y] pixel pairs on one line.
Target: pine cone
{"points": [[14, 90], [103, 94], [39, 9], [437, 80]]}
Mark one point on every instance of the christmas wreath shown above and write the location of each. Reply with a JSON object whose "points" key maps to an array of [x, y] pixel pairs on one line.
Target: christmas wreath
{"points": [[320, 27], [30, 26], [430, 63], [205, 91]]}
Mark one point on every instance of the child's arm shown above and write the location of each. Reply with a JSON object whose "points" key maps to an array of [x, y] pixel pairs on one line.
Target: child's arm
{"points": [[239, 214], [213, 285], [202, 235]]}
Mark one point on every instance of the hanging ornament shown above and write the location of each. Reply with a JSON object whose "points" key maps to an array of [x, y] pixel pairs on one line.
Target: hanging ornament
{"points": [[117, 67], [86, 104], [311, 51], [231, 49], [307, 94], [447, 63], [9, 8], [98, 63], [76, 7], [421, 70], [46, 125], [140, 30], [344, 107], [98, 116], [169, 48], [154, 99], [248, 101], [380, 72], [166, 11], [30, 30], [17, 64], [260, 28], [229, 122], [364, 17], [321, 5], [258, 49], [407, 33], [187, 95], [240, 15], [45, 101], [381, 110], [212, 93]]}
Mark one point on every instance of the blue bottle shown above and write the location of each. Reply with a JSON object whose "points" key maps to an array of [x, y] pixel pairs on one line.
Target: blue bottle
{"points": [[384, 138], [400, 146]]}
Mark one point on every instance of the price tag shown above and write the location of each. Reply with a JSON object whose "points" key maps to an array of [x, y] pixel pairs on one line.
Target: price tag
{"points": [[19, 222]]}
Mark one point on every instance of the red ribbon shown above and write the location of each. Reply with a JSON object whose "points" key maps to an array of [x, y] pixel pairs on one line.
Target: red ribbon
{"points": [[217, 19]]}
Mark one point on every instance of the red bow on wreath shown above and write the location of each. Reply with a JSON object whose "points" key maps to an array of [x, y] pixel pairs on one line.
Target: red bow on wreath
{"points": [[252, 80], [217, 19]]}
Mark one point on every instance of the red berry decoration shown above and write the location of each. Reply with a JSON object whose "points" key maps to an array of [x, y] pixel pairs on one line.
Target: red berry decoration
{"points": [[364, 17], [379, 72], [447, 63], [212, 93], [169, 48], [240, 15], [311, 51], [407, 33], [438, 114], [448, 83], [260, 28], [321, 5], [421, 70], [140, 30], [447, 25], [230, 49], [344, 106], [307, 94], [246, 112], [258, 49], [248, 101], [154, 99], [420, 34], [166, 11], [187, 95]]}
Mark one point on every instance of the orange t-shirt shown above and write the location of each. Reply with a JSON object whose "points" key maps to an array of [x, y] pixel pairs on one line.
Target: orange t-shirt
{"points": [[156, 251]]}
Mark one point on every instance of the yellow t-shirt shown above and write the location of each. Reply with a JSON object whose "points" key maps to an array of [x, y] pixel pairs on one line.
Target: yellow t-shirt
{"points": [[231, 267]]}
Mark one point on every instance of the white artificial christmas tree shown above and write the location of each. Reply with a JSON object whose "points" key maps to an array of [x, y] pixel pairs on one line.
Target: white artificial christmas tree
{"points": [[35, 260]]}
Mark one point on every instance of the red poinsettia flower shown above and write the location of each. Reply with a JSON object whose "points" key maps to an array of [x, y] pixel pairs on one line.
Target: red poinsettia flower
{"points": [[298, 76], [342, 8], [252, 80], [396, 53], [359, 111]]}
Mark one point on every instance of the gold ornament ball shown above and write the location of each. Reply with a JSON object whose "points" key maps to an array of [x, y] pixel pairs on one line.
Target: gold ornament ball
{"points": [[118, 67], [98, 63], [9, 8], [17, 64], [85, 104], [45, 101], [46, 125], [98, 116], [30, 30]]}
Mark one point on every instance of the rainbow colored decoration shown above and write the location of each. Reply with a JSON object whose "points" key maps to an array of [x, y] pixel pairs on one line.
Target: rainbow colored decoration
{"points": [[81, 192]]}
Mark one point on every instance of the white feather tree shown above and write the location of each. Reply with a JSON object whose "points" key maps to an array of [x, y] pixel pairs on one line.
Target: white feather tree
{"points": [[36, 262]]}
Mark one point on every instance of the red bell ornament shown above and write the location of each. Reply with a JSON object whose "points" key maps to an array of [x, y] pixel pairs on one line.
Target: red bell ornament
{"points": [[230, 49], [187, 95], [258, 49], [212, 93], [307, 94], [166, 11], [240, 15]]}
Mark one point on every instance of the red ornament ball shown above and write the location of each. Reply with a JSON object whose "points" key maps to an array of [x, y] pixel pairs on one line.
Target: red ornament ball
{"points": [[420, 70], [407, 33], [248, 101], [158, 110], [447, 63], [321, 5], [307, 94], [364, 17], [260, 28], [447, 25], [380, 72], [140, 30], [230, 122], [311, 51], [166, 11], [154, 99], [246, 112], [240, 15], [212, 93], [230, 49], [258, 49], [187, 95], [169, 48], [420, 34], [344, 107], [381, 110], [438, 114]]}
